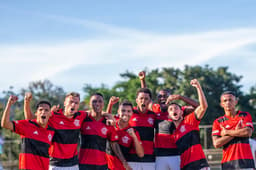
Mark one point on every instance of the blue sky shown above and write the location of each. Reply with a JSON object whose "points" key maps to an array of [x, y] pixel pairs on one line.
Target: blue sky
{"points": [[88, 42]]}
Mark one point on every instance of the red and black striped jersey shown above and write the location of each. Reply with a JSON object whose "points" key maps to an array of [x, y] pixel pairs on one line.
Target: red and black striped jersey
{"points": [[94, 135], [144, 123], [63, 151], [187, 139], [35, 144], [127, 147], [237, 152]]}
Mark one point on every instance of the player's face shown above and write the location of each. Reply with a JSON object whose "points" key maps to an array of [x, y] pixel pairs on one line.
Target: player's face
{"points": [[97, 103], [71, 105], [143, 100], [175, 113], [228, 102], [43, 114], [125, 113], [162, 97]]}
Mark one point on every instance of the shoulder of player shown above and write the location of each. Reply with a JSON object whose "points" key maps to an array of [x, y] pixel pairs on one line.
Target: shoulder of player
{"points": [[243, 114], [221, 119]]}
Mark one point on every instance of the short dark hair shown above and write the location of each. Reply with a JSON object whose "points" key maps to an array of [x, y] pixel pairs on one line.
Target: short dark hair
{"points": [[144, 90], [229, 92], [73, 94], [43, 102], [126, 103], [173, 103], [97, 94], [168, 91]]}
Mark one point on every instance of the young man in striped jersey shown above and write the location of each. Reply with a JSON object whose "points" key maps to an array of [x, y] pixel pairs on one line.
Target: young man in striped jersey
{"points": [[186, 132], [232, 132], [36, 135]]}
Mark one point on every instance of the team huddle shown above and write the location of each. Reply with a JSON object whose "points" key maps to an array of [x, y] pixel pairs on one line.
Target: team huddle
{"points": [[149, 136]]}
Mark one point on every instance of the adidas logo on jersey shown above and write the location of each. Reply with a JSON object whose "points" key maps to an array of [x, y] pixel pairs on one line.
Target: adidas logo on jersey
{"points": [[88, 128], [35, 132], [61, 123], [134, 119]]}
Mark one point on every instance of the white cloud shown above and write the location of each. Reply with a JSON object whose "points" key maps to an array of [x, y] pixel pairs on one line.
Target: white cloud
{"points": [[27, 62]]}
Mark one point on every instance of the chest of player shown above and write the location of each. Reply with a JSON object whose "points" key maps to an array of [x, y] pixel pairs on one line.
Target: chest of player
{"points": [[95, 128], [185, 132], [38, 134], [142, 120], [62, 122], [124, 138], [165, 127]]}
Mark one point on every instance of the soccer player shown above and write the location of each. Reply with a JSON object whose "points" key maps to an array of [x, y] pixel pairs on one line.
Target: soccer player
{"points": [[186, 132], [167, 156], [232, 132], [142, 121], [67, 124], [36, 135], [94, 135], [128, 138]]}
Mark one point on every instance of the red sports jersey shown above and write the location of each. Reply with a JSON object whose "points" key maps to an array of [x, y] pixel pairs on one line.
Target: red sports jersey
{"points": [[36, 141], [236, 153], [94, 135], [63, 150], [144, 124], [187, 139], [164, 143], [127, 147]]}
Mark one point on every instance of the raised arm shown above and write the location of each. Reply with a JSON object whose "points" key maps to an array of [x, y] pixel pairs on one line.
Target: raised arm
{"points": [[6, 123], [201, 109], [188, 109], [116, 148], [27, 110], [137, 144], [142, 76], [113, 100]]}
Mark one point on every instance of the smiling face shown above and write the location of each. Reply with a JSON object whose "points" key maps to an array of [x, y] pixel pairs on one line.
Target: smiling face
{"points": [[43, 114], [97, 104], [175, 112], [125, 112], [162, 98], [71, 105]]}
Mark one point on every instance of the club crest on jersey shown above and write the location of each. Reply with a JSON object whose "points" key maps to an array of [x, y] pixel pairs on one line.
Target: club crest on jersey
{"points": [[125, 139], [50, 137], [182, 129], [151, 121], [77, 122], [104, 131]]}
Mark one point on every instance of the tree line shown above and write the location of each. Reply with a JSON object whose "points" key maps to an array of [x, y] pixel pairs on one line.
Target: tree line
{"points": [[213, 81]]}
